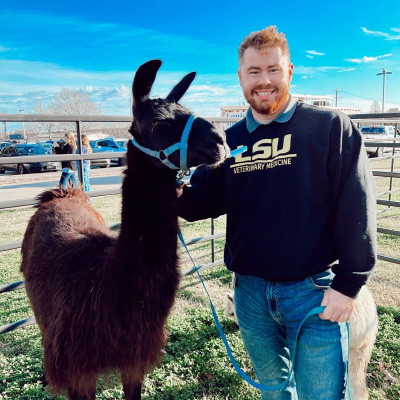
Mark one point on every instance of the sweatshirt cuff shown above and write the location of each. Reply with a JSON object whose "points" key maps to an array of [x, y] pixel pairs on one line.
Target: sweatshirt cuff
{"points": [[345, 287]]}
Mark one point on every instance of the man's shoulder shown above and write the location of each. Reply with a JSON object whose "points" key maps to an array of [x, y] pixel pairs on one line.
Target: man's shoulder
{"points": [[237, 126]]}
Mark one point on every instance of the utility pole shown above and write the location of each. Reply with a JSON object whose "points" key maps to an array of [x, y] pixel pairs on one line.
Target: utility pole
{"points": [[5, 129], [336, 97], [23, 123], [384, 73]]}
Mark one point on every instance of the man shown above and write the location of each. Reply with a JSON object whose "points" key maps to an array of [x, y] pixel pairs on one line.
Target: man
{"points": [[301, 229]]}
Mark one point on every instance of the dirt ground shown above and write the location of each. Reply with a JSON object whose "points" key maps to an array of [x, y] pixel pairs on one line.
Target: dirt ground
{"points": [[385, 284]]}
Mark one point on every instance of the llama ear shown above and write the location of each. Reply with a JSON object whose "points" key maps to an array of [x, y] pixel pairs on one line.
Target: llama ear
{"points": [[180, 89], [144, 79]]}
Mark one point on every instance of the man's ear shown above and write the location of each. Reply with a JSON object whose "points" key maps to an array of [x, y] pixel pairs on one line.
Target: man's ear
{"points": [[290, 72], [240, 77]]}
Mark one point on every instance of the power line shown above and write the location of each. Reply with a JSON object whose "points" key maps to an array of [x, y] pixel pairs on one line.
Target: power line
{"points": [[367, 98], [355, 95]]}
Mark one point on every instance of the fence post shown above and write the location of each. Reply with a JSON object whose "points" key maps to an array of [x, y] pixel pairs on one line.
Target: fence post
{"points": [[79, 138], [392, 164], [212, 241]]}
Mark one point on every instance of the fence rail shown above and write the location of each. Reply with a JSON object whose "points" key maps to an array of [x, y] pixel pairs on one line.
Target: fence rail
{"points": [[393, 144], [31, 320]]}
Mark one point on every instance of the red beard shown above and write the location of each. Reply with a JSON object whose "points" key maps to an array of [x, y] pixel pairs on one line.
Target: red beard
{"points": [[268, 107]]}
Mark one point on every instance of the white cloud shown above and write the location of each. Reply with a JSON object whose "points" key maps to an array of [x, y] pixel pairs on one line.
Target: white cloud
{"points": [[367, 59], [347, 69], [315, 53], [123, 91], [386, 35], [307, 55], [24, 82]]}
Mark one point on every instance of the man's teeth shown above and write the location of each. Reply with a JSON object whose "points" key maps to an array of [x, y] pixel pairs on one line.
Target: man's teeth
{"points": [[264, 93]]}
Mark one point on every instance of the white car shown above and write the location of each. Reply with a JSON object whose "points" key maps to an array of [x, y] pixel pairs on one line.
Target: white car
{"points": [[376, 133]]}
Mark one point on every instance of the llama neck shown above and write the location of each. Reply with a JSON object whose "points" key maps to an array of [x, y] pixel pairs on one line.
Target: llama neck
{"points": [[141, 269], [149, 214]]}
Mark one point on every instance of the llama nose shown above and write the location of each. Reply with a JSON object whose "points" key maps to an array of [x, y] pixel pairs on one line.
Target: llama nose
{"points": [[220, 136]]}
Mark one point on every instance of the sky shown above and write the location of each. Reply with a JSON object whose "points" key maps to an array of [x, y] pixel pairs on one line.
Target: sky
{"points": [[97, 47]]}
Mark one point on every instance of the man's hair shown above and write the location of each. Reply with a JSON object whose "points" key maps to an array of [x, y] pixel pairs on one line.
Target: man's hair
{"points": [[264, 40]]}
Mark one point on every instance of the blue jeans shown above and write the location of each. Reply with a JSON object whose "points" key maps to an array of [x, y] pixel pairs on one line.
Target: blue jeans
{"points": [[65, 177], [86, 182], [269, 314], [86, 179]]}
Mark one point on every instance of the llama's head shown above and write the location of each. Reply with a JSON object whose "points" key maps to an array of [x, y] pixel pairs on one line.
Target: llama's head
{"points": [[159, 124]]}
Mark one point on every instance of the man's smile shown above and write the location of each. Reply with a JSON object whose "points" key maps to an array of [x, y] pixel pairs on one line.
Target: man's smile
{"points": [[264, 94]]}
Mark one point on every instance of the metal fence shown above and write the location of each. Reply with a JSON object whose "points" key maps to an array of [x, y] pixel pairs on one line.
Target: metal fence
{"points": [[384, 198]]}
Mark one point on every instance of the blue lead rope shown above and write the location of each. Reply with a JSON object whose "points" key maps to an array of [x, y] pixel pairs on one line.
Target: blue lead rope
{"points": [[314, 311]]}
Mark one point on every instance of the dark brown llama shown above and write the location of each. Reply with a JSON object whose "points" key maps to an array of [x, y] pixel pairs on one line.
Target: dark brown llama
{"points": [[100, 299]]}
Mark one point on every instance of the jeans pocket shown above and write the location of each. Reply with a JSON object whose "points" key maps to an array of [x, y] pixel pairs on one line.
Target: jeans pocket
{"points": [[322, 280]]}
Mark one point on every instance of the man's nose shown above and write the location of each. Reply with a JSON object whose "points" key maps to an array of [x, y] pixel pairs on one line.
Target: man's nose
{"points": [[264, 77]]}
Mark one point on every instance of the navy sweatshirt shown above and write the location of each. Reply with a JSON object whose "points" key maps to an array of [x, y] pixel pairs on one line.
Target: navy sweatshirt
{"points": [[299, 200]]}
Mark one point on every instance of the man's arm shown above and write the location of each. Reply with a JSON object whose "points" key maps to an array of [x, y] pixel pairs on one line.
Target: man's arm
{"points": [[205, 198], [355, 231]]}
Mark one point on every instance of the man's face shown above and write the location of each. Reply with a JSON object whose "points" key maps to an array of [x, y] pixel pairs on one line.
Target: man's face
{"points": [[265, 79]]}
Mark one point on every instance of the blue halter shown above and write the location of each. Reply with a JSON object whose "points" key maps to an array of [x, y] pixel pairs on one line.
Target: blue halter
{"points": [[182, 146]]}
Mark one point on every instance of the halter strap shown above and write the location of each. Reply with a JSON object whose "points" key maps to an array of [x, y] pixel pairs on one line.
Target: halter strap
{"points": [[163, 155]]}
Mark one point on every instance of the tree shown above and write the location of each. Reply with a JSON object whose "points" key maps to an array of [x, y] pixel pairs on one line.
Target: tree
{"points": [[47, 128], [118, 129], [67, 102], [70, 101], [375, 107]]}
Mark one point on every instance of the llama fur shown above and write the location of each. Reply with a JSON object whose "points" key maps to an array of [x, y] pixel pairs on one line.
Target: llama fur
{"points": [[101, 299]]}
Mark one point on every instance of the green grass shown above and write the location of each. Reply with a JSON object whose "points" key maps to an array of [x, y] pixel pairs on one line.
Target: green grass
{"points": [[195, 366]]}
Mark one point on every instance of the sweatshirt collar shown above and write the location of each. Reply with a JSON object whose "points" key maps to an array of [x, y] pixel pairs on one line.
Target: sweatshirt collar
{"points": [[284, 116]]}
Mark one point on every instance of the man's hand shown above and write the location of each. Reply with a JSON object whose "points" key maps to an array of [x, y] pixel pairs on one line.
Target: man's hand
{"points": [[338, 307], [179, 190]]}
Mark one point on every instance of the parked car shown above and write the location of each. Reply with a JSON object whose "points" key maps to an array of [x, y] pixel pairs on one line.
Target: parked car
{"points": [[100, 162], [18, 150], [4, 144], [47, 146], [375, 133], [123, 143], [108, 145]]}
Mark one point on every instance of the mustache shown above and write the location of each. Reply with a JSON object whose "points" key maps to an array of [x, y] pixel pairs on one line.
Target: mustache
{"points": [[264, 87]]}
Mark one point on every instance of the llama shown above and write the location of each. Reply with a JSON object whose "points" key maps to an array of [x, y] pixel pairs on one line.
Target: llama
{"points": [[363, 330], [101, 299]]}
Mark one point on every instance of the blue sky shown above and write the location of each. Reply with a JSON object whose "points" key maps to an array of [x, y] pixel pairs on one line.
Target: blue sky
{"points": [[96, 47]]}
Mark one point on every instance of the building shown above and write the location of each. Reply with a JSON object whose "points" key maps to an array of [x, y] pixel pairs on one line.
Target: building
{"points": [[233, 112], [319, 101], [325, 102]]}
